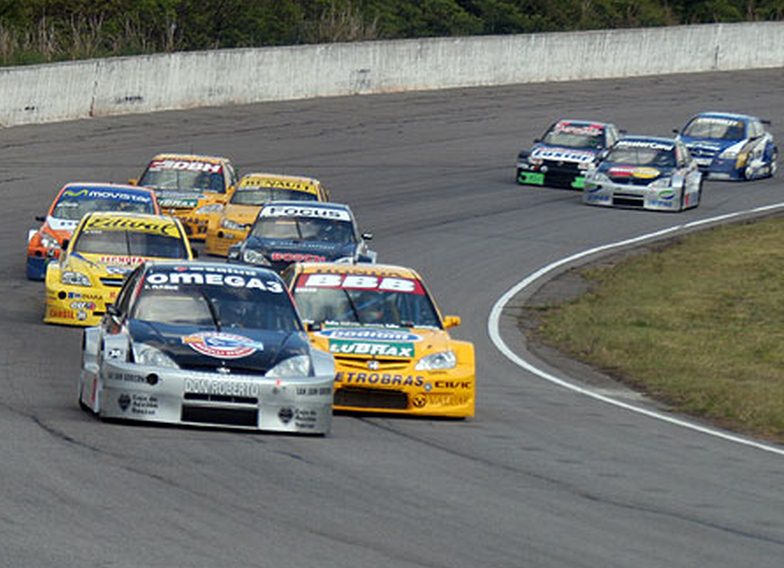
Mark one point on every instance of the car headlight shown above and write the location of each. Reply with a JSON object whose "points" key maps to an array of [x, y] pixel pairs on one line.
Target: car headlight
{"points": [[252, 257], [48, 241], [729, 154], [209, 208], [663, 182], [151, 356], [437, 361], [232, 225], [74, 279], [297, 366]]}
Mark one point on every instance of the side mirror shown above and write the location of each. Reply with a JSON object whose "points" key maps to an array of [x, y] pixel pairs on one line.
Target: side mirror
{"points": [[133, 181], [65, 244], [195, 253], [41, 218], [112, 310], [537, 140], [452, 321], [765, 121], [312, 326], [367, 236]]}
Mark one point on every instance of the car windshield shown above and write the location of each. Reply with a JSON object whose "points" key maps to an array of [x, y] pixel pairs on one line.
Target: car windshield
{"points": [[304, 229], [642, 156], [224, 307], [717, 128], [72, 208], [574, 137], [262, 195], [129, 243], [332, 299], [195, 177]]}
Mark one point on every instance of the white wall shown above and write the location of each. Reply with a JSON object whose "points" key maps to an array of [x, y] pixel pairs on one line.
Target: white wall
{"points": [[44, 93]]}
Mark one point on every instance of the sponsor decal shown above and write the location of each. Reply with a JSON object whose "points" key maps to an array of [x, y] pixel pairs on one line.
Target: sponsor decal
{"points": [[124, 401], [178, 202], [359, 282], [358, 378], [60, 313], [185, 165], [134, 260], [645, 173], [144, 404], [343, 347], [124, 377], [313, 391], [222, 345], [188, 277], [221, 387], [370, 334], [260, 182], [113, 195], [644, 144], [81, 305], [297, 257], [286, 414], [723, 121], [419, 401], [584, 129], [305, 419], [448, 399], [305, 211], [155, 226], [453, 384], [563, 154]]}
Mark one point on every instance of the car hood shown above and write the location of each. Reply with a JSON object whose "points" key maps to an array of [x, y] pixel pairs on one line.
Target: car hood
{"points": [[560, 153], [250, 351], [629, 172], [300, 251], [370, 342], [242, 214]]}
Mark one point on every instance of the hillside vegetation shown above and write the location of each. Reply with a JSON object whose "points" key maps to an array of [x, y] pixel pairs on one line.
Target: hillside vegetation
{"points": [[36, 31]]}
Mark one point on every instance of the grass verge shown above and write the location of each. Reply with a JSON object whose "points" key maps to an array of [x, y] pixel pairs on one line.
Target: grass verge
{"points": [[697, 324]]}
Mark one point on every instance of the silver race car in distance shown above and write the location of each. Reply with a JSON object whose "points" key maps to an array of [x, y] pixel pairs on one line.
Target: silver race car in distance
{"points": [[207, 344], [645, 172]]}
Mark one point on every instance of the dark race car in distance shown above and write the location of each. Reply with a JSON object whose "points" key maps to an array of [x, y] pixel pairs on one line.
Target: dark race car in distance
{"points": [[295, 231], [561, 157], [730, 146]]}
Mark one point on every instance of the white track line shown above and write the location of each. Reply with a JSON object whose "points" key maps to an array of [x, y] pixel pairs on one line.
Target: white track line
{"points": [[495, 334]]}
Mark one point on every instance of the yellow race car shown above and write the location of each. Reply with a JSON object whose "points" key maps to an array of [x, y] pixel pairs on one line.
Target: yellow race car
{"points": [[391, 348], [105, 247], [190, 187], [230, 225]]}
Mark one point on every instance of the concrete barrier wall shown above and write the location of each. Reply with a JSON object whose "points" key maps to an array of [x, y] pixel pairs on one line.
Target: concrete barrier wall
{"points": [[65, 91]]}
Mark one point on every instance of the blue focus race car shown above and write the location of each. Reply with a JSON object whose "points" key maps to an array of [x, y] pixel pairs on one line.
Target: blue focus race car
{"points": [[730, 146], [298, 231], [564, 153]]}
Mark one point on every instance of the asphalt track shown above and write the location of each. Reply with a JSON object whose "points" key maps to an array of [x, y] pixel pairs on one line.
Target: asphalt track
{"points": [[542, 477]]}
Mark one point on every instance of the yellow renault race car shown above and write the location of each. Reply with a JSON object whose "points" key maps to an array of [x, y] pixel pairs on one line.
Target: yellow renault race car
{"points": [[391, 348], [230, 225], [105, 247], [190, 187]]}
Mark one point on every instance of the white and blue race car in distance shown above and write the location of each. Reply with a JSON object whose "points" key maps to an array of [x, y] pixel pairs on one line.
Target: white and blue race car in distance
{"points": [[730, 146]]}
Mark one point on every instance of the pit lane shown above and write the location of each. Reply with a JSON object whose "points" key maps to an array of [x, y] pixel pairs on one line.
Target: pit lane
{"points": [[541, 477]]}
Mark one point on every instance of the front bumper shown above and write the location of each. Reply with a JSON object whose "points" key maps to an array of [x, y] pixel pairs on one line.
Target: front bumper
{"points": [[609, 194], [175, 396], [565, 175], [400, 389], [77, 305]]}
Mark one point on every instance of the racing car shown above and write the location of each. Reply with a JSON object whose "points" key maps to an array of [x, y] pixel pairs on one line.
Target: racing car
{"points": [[393, 353], [190, 187], [645, 172], [730, 146], [71, 202], [231, 225], [206, 344], [561, 157], [104, 248], [293, 231]]}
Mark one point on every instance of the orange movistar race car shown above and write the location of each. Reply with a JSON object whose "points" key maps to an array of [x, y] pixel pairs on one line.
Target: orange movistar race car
{"points": [[391, 348], [231, 224], [104, 248], [71, 203], [190, 187]]}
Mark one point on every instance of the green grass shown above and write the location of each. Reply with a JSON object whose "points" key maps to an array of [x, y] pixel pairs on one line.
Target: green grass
{"points": [[698, 324]]}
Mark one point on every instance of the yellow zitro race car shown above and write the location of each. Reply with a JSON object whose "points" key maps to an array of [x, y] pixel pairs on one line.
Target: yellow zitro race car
{"points": [[230, 225], [391, 348], [105, 247]]}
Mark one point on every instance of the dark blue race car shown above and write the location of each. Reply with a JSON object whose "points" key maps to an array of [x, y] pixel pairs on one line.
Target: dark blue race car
{"points": [[294, 231], [730, 146], [562, 156]]}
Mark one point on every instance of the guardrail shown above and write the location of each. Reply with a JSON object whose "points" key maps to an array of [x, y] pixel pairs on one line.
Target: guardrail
{"points": [[124, 85]]}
